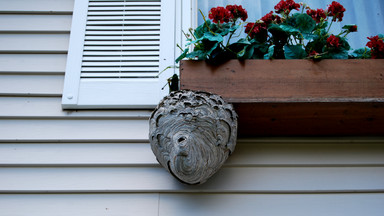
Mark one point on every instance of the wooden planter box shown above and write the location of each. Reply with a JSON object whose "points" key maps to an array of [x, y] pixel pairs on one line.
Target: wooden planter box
{"points": [[296, 97]]}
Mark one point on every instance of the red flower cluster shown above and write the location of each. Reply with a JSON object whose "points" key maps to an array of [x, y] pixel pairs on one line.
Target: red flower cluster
{"points": [[229, 13], [271, 18], [377, 47], [336, 10], [237, 11], [258, 30], [317, 15], [219, 14], [286, 6], [333, 42]]}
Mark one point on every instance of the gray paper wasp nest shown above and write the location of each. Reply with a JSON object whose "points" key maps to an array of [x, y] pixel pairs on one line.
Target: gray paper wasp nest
{"points": [[192, 134]]}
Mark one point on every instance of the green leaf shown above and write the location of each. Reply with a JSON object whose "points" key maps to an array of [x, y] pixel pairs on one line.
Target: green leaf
{"points": [[362, 53], [289, 29], [294, 52], [344, 44], [243, 41], [283, 28], [339, 55], [199, 54], [183, 55], [212, 37], [202, 29], [304, 22], [208, 42], [269, 54], [381, 36]]}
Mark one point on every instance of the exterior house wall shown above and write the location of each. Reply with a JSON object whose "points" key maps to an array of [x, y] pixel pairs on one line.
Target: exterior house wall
{"points": [[99, 162]]}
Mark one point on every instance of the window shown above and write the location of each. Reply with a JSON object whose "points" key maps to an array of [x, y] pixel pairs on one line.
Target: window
{"points": [[117, 49], [367, 15]]}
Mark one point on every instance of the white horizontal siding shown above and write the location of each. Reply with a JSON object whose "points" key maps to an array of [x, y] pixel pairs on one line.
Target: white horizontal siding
{"points": [[271, 204], [228, 179], [36, 6], [79, 205], [130, 167], [35, 43], [73, 129], [49, 85], [33, 63], [76, 154], [35, 23], [193, 204], [50, 107], [140, 154]]}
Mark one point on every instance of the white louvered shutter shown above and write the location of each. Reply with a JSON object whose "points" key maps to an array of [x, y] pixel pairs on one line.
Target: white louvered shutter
{"points": [[117, 48]]}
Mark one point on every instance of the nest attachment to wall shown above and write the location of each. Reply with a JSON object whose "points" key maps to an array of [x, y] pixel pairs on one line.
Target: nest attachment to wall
{"points": [[192, 133]]}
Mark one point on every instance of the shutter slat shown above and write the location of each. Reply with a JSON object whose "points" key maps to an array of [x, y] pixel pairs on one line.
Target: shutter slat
{"points": [[117, 69], [134, 47], [127, 33], [122, 58], [130, 17], [123, 38], [128, 43], [126, 3], [131, 8], [135, 64], [120, 53], [128, 22], [132, 12], [118, 75], [123, 28]]}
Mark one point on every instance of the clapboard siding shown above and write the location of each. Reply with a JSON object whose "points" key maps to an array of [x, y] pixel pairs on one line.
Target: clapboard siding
{"points": [[31, 85], [76, 155], [272, 204], [73, 129], [99, 162], [131, 167], [140, 154], [36, 6], [35, 23], [33, 63], [50, 107], [79, 205], [193, 204], [228, 179], [34, 43]]}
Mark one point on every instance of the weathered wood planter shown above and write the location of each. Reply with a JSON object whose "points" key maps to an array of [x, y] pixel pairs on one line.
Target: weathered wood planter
{"points": [[296, 97]]}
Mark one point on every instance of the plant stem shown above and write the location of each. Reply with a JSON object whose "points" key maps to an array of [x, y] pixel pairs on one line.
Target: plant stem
{"points": [[329, 28], [205, 22], [180, 47], [230, 36]]}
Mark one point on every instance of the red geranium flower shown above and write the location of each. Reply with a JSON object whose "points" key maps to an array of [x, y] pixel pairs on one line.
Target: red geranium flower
{"points": [[270, 17], [219, 14], [333, 41], [258, 30], [237, 11], [377, 46], [336, 10], [317, 15], [286, 6]]}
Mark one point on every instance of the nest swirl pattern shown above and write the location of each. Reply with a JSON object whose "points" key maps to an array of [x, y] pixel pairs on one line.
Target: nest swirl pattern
{"points": [[192, 134]]}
